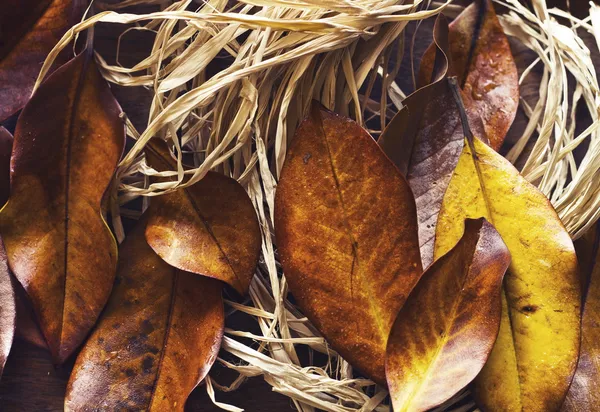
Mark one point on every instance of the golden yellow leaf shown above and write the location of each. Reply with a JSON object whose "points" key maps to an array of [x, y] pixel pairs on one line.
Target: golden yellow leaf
{"points": [[445, 331], [534, 358]]}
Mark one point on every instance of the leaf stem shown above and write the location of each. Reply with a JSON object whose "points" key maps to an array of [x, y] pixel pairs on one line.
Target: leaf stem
{"points": [[452, 81]]}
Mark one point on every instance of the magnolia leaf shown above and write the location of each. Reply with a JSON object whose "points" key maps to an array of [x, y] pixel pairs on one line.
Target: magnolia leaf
{"points": [[215, 212], [425, 140], [482, 60], [6, 140], [29, 29], [156, 340], [445, 331], [8, 307], [583, 395], [27, 328], [533, 360], [67, 143], [346, 230], [8, 310]]}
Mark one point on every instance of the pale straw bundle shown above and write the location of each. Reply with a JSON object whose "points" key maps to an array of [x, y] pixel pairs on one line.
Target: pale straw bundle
{"points": [[285, 53]]}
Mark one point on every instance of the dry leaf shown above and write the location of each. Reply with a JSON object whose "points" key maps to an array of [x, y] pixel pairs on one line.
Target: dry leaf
{"points": [[29, 29], [215, 212], [445, 331], [6, 140], [67, 143], [156, 340], [482, 60], [533, 360], [27, 328], [425, 140], [8, 307], [346, 230], [583, 395], [8, 310]]}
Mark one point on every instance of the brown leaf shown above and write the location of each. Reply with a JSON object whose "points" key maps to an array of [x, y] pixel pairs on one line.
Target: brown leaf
{"points": [[27, 328], [8, 310], [445, 331], [29, 29], [482, 60], [534, 358], [583, 395], [425, 140], [67, 143], [156, 340], [346, 230], [6, 140], [217, 212]]}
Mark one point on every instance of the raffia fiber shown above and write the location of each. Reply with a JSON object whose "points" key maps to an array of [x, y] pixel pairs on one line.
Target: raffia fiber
{"points": [[284, 53]]}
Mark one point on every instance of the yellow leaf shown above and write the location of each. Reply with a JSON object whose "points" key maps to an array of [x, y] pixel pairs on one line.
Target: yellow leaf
{"points": [[534, 358], [445, 331]]}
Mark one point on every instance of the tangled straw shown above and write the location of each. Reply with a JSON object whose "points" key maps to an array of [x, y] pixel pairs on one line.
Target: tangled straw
{"points": [[283, 54]]}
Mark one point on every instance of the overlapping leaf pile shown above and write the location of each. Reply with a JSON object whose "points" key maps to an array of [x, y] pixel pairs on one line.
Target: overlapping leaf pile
{"points": [[424, 258]]}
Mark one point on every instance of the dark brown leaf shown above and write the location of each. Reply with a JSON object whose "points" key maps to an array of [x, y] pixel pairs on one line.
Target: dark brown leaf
{"points": [[482, 60], [445, 331], [6, 140], [67, 143], [583, 395], [215, 212], [346, 230], [29, 29], [8, 310], [425, 140], [156, 340]]}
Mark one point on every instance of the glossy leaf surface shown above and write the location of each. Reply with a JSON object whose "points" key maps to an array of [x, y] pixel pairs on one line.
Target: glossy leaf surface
{"points": [[482, 60], [29, 29], [67, 143], [217, 213], [346, 230], [533, 360], [425, 140], [156, 340], [8, 310], [446, 330], [583, 395]]}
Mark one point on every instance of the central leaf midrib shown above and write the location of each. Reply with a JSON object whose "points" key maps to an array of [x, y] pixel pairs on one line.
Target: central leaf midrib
{"points": [[163, 349], [445, 339], [354, 243], [490, 216], [72, 120]]}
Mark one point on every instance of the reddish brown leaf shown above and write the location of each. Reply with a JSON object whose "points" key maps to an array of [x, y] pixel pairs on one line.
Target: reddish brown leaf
{"points": [[156, 340], [425, 140], [346, 230], [5, 150], [29, 29], [27, 328], [67, 143], [8, 310], [482, 60], [445, 331], [215, 212], [583, 395]]}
